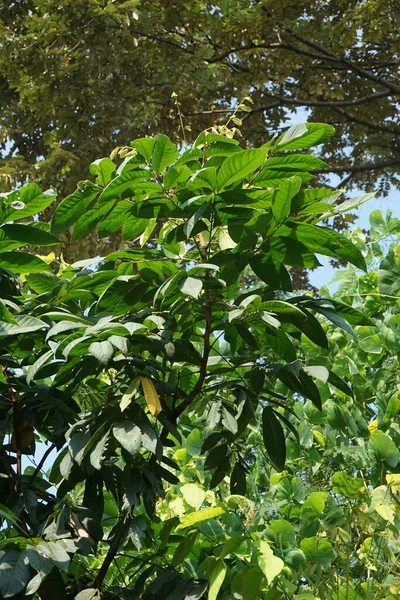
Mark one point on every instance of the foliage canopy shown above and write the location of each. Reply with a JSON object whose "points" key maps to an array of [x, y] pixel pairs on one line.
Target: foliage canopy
{"points": [[211, 427]]}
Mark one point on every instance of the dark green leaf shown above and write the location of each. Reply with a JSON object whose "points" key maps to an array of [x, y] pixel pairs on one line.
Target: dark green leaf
{"points": [[274, 438]]}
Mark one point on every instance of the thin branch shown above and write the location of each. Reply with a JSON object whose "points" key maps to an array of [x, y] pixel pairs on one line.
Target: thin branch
{"points": [[359, 168], [41, 463], [366, 123], [112, 551], [328, 103]]}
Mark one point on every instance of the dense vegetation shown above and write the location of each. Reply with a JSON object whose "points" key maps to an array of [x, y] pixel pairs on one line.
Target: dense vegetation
{"points": [[213, 434]]}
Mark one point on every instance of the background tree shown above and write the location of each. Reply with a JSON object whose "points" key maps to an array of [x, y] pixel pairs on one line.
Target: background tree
{"points": [[79, 78]]}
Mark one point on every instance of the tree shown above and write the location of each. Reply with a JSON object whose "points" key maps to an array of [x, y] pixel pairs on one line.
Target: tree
{"points": [[166, 381], [81, 77]]}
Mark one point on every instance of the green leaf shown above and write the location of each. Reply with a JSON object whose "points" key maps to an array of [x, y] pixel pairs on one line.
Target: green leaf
{"points": [[103, 169], [24, 324], [216, 579], [193, 518], [389, 275], [164, 153], [294, 132], [282, 198], [329, 243], [71, 208], [7, 514], [270, 564], [42, 282], [191, 222], [103, 351], [115, 218], [297, 137], [22, 263], [386, 448], [126, 181], [318, 550], [184, 548], [301, 162], [14, 572], [239, 165], [348, 486], [37, 365], [191, 286], [34, 200], [129, 436], [15, 236], [274, 438], [88, 221], [381, 503]]}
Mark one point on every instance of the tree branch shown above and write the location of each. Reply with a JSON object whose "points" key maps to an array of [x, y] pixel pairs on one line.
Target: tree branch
{"points": [[328, 103], [359, 168], [41, 463], [366, 123]]}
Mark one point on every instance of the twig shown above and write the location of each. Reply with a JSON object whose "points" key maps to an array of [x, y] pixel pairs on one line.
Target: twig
{"points": [[41, 463]]}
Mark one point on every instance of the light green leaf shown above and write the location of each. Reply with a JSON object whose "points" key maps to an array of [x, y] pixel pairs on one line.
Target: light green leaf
{"points": [[127, 397], [318, 372], [102, 168], [193, 518], [42, 282], [217, 577], [34, 200], [88, 594], [193, 495], [318, 550], [103, 351], [295, 131], [191, 286], [191, 222], [315, 133], [386, 448], [145, 147], [239, 165], [270, 565], [301, 162], [24, 324]]}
